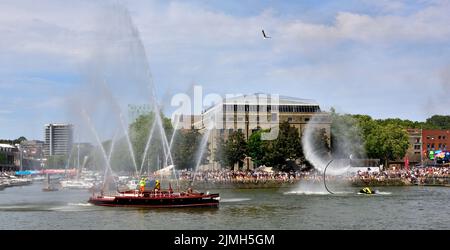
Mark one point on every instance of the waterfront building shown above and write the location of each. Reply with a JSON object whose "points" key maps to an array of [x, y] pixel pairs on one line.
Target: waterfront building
{"points": [[58, 139], [422, 142], [251, 113], [33, 149], [435, 139], [414, 152], [8, 157]]}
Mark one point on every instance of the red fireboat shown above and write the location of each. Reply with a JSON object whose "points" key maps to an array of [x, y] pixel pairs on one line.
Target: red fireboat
{"points": [[156, 199]]}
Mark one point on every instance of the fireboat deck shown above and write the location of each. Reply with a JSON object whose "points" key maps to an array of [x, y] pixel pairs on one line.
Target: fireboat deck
{"points": [[158, 199]]}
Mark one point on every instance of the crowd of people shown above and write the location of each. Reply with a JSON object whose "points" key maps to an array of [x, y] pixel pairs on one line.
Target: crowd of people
{"points": [[405, 176], [230, 176], [419, 175]]}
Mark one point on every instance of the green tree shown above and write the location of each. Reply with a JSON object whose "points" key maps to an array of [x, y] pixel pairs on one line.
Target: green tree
{"points": [[388, 142], [348, 133], [186, 148], [232, 151], [139, 134], [282, 152], [220, 153], [439, 121], [256, 148], [120, 159], [13, 142], [405, 123], [20, 140], [3, 158], [320, 139]]}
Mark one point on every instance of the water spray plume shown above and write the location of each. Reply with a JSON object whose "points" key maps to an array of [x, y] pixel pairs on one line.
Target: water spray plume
{"points": [[201, 151], [147, 145], [323, 160], [130, 146], [105, 157]]}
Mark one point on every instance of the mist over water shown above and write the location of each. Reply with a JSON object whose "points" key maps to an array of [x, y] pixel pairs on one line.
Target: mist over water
{"points": [[346, 147]]}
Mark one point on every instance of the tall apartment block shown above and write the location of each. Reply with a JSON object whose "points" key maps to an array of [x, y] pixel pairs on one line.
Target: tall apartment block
{"points": [[58, 139]]}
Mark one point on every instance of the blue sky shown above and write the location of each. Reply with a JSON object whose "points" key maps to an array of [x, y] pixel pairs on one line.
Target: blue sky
{"points": [[381, 58]]}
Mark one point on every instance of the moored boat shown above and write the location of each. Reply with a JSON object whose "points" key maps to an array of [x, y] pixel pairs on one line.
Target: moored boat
{"points": [[49, 186], [75, 184]]}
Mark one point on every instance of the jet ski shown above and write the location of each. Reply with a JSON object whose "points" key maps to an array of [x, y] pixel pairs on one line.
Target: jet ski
{"points": [[367, 190]]}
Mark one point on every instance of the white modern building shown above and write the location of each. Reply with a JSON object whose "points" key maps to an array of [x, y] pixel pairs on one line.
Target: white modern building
{"points": [[250, 113]]}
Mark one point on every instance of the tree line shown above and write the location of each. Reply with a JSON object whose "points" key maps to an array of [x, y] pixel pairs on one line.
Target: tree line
{"points": [[13, 142], [361, 135]]}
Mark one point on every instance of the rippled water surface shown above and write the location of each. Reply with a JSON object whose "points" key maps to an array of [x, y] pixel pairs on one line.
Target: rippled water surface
{"points": [[28, 207]]}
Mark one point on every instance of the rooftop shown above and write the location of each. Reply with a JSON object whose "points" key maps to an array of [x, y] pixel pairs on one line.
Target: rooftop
{"points": [[58, 124], [2, 145], [265, 99]]}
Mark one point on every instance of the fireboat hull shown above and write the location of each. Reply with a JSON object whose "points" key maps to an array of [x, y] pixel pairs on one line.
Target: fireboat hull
{"points": [[157, 200]]}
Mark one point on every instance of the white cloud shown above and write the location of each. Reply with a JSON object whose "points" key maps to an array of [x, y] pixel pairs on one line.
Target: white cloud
{"points": [[53, 29], [429, 25], [187, 43]]}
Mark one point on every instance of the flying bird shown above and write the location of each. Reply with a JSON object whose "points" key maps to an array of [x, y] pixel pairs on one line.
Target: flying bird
{"points": [[265, 36]]}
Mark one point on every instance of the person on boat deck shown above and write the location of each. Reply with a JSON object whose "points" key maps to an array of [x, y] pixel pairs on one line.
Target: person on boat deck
{"points": [[157, 185], [142, 185]]}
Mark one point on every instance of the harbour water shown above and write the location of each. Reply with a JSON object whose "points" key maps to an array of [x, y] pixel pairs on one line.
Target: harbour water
{"points": [[414, 207]]}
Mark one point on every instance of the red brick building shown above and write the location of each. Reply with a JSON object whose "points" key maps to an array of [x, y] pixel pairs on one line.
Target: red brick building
{"points": [[422, 141], [435, 140]]}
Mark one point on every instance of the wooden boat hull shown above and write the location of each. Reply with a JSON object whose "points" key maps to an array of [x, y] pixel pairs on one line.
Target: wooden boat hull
{"points": [[157, 201]]}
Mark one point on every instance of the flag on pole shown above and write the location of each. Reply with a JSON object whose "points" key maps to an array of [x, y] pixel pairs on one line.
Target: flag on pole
{"points": [[406, 163]]}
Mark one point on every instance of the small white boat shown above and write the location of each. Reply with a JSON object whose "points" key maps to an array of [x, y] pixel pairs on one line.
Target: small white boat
{"points": [[76, 184], [38, 178], [133, 184], [15, 181]]}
